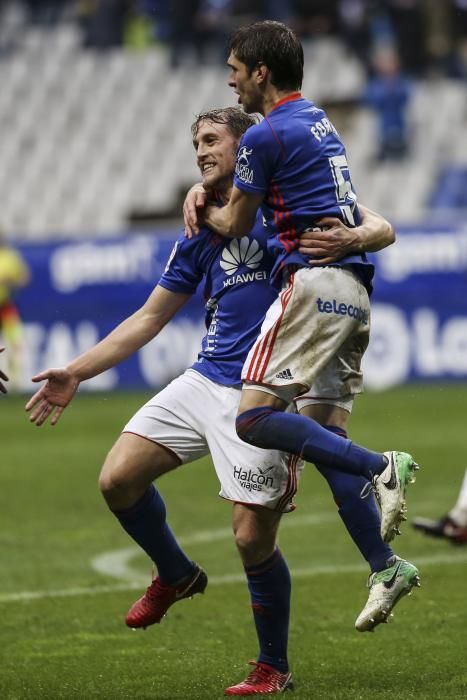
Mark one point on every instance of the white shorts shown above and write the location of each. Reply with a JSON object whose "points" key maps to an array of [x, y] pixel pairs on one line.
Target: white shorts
{"points": [[313, 338], [193, 417]]}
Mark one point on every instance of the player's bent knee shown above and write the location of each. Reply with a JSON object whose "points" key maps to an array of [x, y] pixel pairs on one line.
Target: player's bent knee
{"points": [[254, 547], [117, 475], [250, 424], [113, 481]]}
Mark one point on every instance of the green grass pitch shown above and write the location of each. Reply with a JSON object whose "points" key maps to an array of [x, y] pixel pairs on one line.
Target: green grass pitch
{"points": [[62, 633]]}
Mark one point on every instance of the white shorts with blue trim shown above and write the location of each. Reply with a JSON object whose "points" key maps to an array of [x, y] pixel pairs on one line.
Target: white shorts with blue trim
{"points": [[193, 417]]}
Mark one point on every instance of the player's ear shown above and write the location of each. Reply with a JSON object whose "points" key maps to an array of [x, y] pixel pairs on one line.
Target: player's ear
{"points": [[261, 72]]}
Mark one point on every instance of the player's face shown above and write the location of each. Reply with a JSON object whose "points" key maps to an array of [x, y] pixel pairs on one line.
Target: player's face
{"points": [[216, 149], [245, 86]]}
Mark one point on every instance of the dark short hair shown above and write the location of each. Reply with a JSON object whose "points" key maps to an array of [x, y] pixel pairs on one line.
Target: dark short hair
{"points": [[275, 45], [235, 119]]}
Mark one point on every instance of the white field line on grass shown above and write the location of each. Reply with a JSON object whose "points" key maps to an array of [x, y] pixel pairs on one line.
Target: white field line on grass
{"points": [[116, 564], [306, 572]]}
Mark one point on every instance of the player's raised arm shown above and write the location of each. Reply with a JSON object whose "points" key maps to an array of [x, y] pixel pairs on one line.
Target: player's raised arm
{"points": [[338, 240], [3, 377], [134, 332]]}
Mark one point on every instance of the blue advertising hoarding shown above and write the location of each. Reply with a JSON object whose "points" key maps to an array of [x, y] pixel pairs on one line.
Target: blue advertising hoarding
{"points": [[80, 290], [419, 317]]}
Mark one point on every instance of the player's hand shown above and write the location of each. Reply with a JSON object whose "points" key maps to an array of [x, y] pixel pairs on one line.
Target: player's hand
{"points": [[195, 200], [332, 242], [51, 399], [3, 378]]}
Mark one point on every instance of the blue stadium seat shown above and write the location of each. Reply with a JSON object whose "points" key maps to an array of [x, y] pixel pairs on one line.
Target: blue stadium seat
{"points": [[450, 191]]}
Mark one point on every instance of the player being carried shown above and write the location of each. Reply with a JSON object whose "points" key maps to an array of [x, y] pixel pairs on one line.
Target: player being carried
{"points": [[293, 165], [195, 415]]}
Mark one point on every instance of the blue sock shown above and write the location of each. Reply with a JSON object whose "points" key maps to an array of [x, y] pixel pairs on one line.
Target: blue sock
{"points": [[270, 586], [359, 515], [265, 427], [146, 523]]}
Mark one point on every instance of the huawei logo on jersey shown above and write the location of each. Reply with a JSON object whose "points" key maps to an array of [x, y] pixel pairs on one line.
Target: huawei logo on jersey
{"points": [[241, 251]]}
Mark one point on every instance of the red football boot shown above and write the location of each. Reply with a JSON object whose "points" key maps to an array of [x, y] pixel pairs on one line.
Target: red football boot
{"points": [[444, 527], [263, 679], [152, 607]]}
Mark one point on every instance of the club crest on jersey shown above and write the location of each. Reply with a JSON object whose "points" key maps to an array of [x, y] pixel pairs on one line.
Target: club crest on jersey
{"points": [[243, 154], [242, 166]]}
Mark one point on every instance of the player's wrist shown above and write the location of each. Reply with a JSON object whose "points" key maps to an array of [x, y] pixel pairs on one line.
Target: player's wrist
{"points": [[76, 373]]}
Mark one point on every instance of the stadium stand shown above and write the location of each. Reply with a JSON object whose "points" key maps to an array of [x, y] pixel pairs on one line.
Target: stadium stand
{"points": [[451, 190], [438, 121], [95, 137]]}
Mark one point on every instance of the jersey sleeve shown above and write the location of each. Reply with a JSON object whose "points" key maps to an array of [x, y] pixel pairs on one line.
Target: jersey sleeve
{"points": [[183, 273], [257, 158]]}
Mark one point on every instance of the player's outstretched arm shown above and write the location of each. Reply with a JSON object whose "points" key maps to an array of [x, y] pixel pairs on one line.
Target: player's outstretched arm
{"points": [[338, 240], [137, 330], [52, 398], [3, 378]]}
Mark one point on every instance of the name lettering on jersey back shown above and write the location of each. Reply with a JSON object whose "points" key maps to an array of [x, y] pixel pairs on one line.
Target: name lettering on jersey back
{"points": [[323, 128], [245, 278]]}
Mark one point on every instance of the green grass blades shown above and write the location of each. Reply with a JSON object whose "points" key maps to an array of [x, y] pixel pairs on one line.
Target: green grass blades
{"points": [[62, 633]]}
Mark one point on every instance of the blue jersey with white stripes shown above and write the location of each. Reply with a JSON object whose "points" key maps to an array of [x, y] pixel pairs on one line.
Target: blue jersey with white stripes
{"points": [[296, 160], [237, 291]]}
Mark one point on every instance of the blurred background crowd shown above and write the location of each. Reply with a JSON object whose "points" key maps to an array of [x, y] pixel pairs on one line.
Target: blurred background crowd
{"points": [[109, 88], [430, 35]]}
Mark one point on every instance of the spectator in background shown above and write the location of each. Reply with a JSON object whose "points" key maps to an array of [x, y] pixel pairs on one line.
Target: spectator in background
{"points": [[191, 25], [388, 94], [14, 273], [354, 27], [407, 20], [318, 18], [198, 29], [453, 526], [3, 377], [103, 22], [458, 31], [46, 13]]}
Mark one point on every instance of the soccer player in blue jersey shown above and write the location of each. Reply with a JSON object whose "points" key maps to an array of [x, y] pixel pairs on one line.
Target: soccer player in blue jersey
{"points": [[294, 166], [195, 415], [453, 525], [3, 376]]}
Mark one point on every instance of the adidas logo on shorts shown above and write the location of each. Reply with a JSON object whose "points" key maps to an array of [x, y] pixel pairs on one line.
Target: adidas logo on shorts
{"points": [[285, 374]]}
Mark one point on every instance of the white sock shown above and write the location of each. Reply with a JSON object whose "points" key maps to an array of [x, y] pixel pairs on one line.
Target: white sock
{"points": [[459, 512]]}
